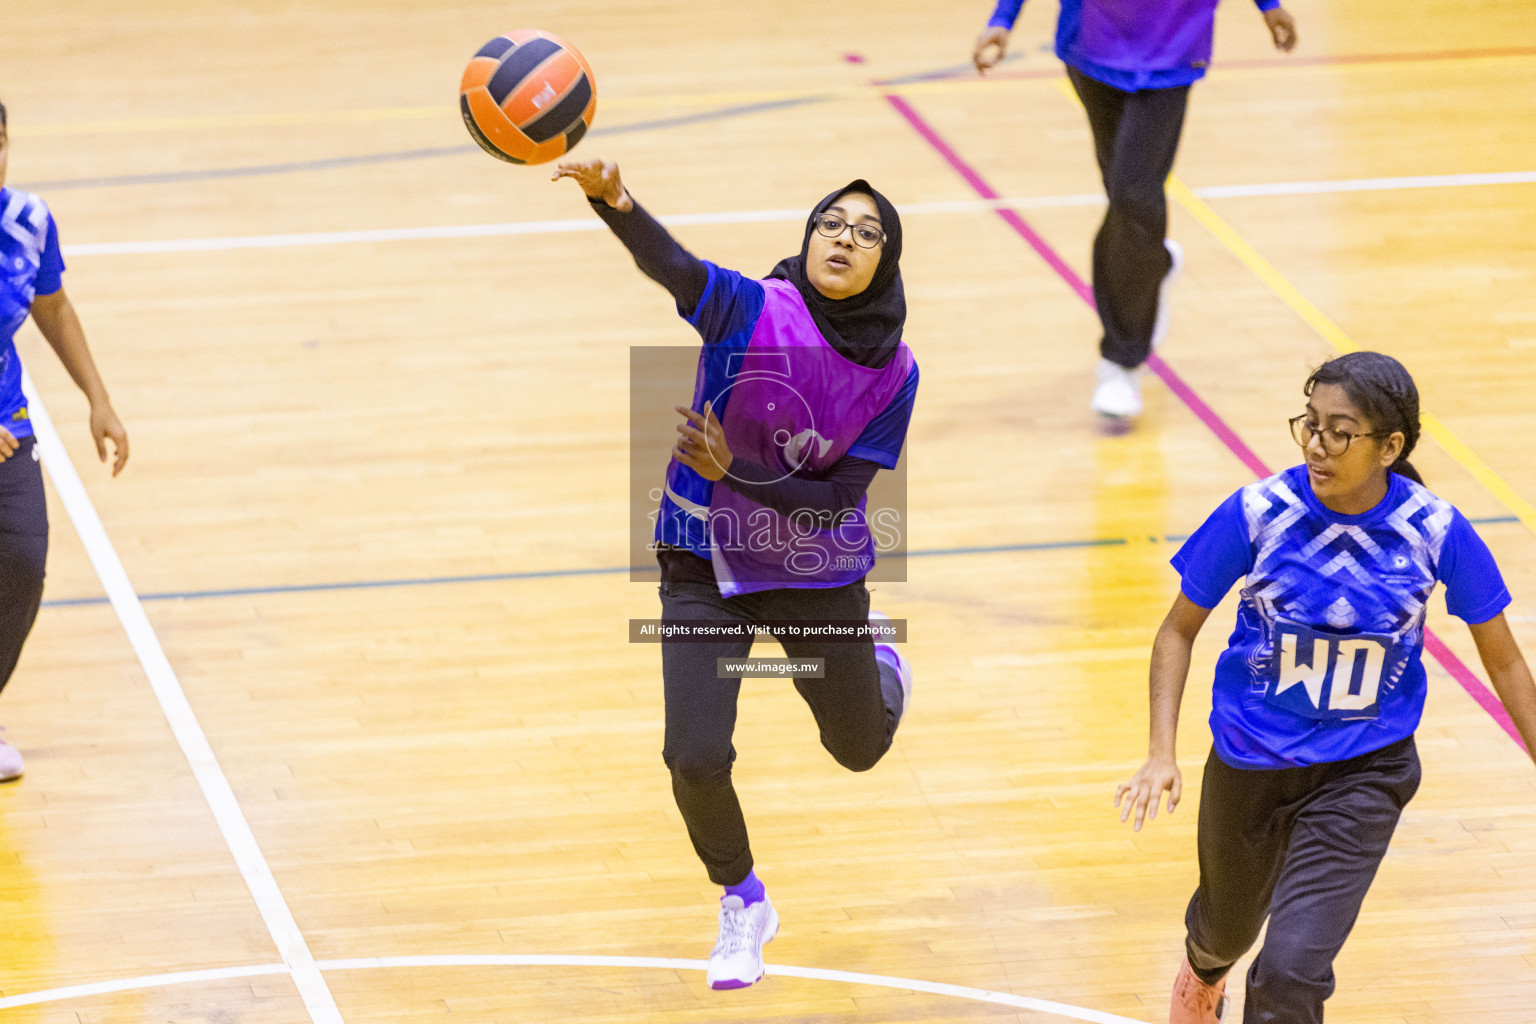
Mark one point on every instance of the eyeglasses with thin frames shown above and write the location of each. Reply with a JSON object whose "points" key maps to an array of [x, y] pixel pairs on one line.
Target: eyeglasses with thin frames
{"points": [[866, 236], [1335, 442]]}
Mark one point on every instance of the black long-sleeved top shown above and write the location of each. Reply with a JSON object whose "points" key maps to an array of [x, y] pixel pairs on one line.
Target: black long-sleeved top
{"points": [[684, 275]]}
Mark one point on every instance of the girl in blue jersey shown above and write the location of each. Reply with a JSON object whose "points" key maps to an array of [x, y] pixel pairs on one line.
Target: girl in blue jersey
{"points": [[803, 393], [31, 282], [1319, 691], [1132, 63]]}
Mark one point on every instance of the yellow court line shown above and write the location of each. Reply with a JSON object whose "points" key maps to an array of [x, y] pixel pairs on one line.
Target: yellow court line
{"points": [[1342, 342]]}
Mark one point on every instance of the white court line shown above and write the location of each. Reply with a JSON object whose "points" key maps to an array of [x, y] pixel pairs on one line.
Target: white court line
{"points": [[549, 227], [1313, 188], [979, 995], [178, 712], [526, 227]]}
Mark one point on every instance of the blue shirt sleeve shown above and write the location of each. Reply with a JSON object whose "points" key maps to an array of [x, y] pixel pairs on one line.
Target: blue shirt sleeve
{"points": [[1266, 5], [50, 272], [1007, 13], [1474, 590], [1216, 556], [730, 304], [884, 435]]}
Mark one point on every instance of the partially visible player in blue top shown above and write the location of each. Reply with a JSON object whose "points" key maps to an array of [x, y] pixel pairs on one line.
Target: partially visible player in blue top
{"points": [[1319, 691], [31, 283], [1132, 63]]}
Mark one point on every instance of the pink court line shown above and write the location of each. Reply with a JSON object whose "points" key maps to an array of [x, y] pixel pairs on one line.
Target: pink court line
{"points": [[1444, 655]]}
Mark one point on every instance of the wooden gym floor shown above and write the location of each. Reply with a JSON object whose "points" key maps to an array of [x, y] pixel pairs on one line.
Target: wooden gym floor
{"points": [[376, 513]]}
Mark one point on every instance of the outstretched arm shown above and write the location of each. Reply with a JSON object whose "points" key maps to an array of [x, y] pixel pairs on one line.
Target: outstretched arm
{"points": [[55, 317], [656, 252], [1170, 670], [1510, 675]]}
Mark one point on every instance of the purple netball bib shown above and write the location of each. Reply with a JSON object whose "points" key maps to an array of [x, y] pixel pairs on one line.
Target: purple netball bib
{"points": [[796, 406]]}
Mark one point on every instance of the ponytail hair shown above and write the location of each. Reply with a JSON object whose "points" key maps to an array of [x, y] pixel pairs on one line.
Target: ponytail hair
{"points": [[1381, 388]]}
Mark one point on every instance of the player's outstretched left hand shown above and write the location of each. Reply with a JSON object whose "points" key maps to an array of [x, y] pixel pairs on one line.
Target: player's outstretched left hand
{"points": [[702, 446], [1282, 28], [599, 179], [1146, 788]]}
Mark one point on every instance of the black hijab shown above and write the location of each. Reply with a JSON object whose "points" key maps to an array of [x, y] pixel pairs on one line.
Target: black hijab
{"points": [[863, 328]]}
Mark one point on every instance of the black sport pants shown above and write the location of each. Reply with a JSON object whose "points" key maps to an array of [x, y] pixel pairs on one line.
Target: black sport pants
{"points": [[1135, 137], [856, 705], [1302, 846], [23, 551]]}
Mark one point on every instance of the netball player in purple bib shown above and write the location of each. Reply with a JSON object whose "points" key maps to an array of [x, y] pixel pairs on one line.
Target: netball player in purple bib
{"points": [[1132, 63], [1319, 691], [803, 393], [31, 283]]}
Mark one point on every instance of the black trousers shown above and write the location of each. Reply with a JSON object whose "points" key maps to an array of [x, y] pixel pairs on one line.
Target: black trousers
{"points": [[856, 705], [1301, 845], [23, 551], [1135, 137]]}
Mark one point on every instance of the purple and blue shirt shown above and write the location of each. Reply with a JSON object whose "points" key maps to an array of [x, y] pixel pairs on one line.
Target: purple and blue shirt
{"points": [[788, 401], [1133, 44]]}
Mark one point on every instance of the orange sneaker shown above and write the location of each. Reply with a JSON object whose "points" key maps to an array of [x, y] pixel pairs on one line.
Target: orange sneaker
{"points": [[1195, 1002]]}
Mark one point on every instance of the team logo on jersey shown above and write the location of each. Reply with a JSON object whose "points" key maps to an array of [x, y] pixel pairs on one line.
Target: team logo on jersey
{"points": [[796, 446], [1327, 676]]}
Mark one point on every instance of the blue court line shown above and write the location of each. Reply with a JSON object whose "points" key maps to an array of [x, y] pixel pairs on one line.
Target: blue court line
{"points": [[395, 156], [253, 171], [332, 163], [547, 574]]}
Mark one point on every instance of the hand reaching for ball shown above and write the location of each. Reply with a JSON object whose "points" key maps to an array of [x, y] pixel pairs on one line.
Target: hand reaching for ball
{"points": [[599, 179]]}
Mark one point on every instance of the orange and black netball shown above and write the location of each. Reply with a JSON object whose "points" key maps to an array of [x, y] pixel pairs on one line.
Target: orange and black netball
{"points": [[527, 97]]}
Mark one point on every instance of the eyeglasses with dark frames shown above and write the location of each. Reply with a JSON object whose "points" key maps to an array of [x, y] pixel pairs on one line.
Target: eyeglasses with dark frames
{"points": [[1335, 442], [866, 236]]}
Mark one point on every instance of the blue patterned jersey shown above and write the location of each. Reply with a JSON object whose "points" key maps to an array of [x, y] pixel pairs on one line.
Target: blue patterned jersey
{"points": [[1326, 661], [30, 265]]}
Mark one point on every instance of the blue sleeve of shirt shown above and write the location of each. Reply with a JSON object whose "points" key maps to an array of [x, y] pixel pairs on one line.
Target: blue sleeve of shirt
{"points": [[1474, 590], [1216, 556], [1007, 13], [1266, 5], [884, 435], [730, 304], [50, 273]]}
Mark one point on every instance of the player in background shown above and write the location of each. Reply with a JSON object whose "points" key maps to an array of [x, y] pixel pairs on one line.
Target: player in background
{"points": [[1132, 64], [31, 282], [1319, 691], [760, 455]]}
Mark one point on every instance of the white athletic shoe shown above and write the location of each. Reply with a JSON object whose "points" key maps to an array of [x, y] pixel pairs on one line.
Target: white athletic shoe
{"points": [[11, 766], [1118, 395], [737, 959], [903, 666], [1160, 325]]}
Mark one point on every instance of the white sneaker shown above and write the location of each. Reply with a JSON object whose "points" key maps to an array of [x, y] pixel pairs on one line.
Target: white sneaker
{"points": [[737, 959], [903, 666], [1160, 325], [10, 762], [1118, 395]]}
